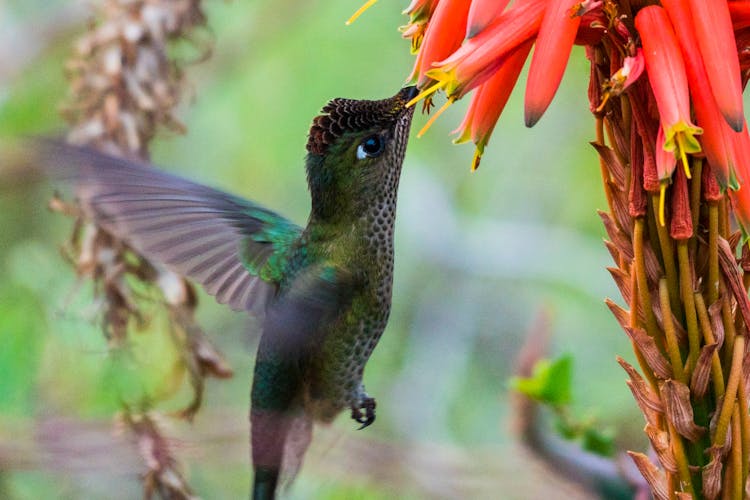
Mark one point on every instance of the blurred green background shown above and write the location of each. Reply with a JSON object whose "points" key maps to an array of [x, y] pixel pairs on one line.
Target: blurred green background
{"points": [[478, 256]]}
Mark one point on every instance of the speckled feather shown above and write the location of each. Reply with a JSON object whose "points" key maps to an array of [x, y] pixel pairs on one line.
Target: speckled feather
{"points": [[335, 299]]}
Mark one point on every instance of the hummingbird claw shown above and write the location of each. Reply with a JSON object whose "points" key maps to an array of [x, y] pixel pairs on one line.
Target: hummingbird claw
{"points": [[365, 412]]}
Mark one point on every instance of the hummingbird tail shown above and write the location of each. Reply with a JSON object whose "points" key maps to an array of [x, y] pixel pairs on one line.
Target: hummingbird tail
{"points": [[280, 441], [264, 483]]}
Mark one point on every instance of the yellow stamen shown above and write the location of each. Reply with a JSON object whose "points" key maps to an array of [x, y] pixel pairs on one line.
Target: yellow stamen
{"points": [[683, 157], [426, 92], [367, 5], [475, 161], [604, 101], [427, 105], [662, 195], [434, 117]]}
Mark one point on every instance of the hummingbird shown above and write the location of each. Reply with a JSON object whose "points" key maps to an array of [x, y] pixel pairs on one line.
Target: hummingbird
{"points": [[322, 293]]}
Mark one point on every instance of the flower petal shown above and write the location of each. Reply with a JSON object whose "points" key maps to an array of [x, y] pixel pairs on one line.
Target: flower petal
{"points": [[477, 59], [482, 13], [553, 46], [489, 100], [717, 139], [713, 27], [444, 34], [740, 13], [666, 74], [664, 65]]}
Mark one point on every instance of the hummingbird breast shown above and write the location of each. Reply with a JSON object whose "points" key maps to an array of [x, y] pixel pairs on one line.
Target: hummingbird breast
{"points": [[337, 363]]}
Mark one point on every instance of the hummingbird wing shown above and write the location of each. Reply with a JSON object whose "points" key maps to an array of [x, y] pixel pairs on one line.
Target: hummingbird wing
{"points": [[228, 244]]}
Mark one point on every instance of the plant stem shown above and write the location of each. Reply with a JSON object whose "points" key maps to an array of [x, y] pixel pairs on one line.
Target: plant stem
{"points": [[737, 455], [745, 428], [686, 286], [713, 253], [717, 375], [602, 166], [643, 294], [735, 375], [673, 349], [667, 253], [683, 467], [695, 199]]}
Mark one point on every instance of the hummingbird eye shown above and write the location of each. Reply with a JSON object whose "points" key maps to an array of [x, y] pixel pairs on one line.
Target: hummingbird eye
{"points": [[371, 147]]}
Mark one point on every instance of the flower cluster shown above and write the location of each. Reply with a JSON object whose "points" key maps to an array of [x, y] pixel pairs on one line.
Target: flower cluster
{"points": [[686, 49], [665, 89]]}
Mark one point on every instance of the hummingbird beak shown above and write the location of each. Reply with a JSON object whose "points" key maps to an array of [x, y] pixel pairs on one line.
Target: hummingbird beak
{"points": [[406, 94]]}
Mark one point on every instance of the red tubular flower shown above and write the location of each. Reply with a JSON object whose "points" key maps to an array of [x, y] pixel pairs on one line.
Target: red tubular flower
{"points": [[740, 14], [488, 102], [553, 46], [665, 159], [593, 26], [419, 12], [740, 197], [741, 207], [717, 139], [444, 34], [741, 151], [479, 57], [713, 28], [482, 13], [666, 74], [632, 69], [665, 166]]}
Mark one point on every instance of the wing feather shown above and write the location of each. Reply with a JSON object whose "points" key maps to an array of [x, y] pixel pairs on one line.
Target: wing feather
{"points": [[214, 238]]}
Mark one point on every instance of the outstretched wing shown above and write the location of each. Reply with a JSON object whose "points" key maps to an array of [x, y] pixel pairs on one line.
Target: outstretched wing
{"points": [[229, 245]]}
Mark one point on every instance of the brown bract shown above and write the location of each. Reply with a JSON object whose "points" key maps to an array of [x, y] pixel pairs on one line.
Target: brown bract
{"points": [[124, 86]]}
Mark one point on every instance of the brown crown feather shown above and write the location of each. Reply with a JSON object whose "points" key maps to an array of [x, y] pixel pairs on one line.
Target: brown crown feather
{"points": [[349, 115]]}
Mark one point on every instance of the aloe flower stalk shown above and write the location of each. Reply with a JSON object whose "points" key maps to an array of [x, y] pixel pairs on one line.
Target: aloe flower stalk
{"points": [[665, 91]]}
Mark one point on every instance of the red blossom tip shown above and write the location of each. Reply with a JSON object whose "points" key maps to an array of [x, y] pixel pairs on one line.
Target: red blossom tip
{"points": [[479, 57], [482, 13], [713, 28], [553, 46]]}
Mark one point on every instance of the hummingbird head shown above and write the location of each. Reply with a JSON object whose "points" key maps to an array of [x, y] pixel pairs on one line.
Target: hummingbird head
{"points": [[355, 151]]}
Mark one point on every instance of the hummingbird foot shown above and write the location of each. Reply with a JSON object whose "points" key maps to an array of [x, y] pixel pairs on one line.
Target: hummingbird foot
{"points": [[364, 412]]}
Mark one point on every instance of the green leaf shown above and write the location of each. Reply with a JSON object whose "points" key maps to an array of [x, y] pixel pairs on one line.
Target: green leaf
{"points": [[598, 441], [22, 327], [550, 381]]}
